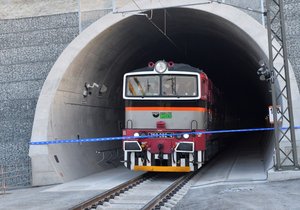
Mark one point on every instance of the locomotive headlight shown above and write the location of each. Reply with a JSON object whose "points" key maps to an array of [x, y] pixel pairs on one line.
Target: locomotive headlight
{"points": [[136, 134], [160, 66], [186, 136]]}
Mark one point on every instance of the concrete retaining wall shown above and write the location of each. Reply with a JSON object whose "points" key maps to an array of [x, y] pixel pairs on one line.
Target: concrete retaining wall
{"points": [[292, 16], [28, 49]]}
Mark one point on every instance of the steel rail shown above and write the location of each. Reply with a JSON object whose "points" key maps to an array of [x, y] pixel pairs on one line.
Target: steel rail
{"points": [[163, 197], [107, 195]]}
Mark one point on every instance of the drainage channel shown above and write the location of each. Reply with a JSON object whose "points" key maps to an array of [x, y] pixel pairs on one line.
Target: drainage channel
{"points": [[148, 191]]}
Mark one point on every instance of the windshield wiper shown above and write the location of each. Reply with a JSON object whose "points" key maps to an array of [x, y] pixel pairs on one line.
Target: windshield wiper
{"points": [[139, 86], [174, 85]]}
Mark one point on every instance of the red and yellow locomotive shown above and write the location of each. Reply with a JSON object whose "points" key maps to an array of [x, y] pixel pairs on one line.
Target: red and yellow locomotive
{"points": [[166, 104]]}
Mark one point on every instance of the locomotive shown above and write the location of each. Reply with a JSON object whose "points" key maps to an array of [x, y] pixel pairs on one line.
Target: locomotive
{"points": [[168, 106]]}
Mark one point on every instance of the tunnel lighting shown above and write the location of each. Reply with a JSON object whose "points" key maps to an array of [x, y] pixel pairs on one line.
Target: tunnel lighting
{"points": [[263, 72], [186, 136], [160, 66], [88, 88]]}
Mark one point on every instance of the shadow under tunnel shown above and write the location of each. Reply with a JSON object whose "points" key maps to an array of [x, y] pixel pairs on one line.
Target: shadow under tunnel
{"points": [[243, 159]]}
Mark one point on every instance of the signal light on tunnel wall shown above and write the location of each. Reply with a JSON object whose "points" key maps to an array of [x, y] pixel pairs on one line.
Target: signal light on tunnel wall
{"points": [[264, 73]]}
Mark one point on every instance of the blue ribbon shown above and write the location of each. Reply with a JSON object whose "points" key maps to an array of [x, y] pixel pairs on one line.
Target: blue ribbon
{"points": [[150, 136]]}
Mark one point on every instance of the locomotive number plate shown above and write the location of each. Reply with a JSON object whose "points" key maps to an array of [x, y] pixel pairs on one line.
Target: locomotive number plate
{"points": [[165, 115]]}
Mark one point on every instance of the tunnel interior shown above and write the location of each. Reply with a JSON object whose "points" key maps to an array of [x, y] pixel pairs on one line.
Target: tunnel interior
{"points": [[201, 39]]}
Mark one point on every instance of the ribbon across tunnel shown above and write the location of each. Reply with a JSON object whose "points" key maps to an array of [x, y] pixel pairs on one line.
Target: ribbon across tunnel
{"points": [[85, 140]]}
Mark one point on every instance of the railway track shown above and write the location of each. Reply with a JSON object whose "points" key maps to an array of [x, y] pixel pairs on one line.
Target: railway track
{"points": [[148, 191]]}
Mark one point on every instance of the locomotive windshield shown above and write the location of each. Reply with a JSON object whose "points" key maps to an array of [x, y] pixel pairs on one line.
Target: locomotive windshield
{"points": [[169, 85], [179, 86], [143, 86]]}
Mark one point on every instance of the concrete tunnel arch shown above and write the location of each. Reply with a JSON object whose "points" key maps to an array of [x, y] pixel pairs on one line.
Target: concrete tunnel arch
{"points": [[220, 36]]}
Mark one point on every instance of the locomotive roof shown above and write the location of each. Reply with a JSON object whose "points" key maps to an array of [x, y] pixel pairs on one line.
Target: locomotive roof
{"points": [[176, 67]]}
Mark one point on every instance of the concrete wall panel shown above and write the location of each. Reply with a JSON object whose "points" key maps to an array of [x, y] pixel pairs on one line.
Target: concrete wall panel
{"points": [[28, 49]]}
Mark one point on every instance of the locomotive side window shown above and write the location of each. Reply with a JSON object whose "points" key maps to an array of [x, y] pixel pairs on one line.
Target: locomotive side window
{"points": [[143, 86], [181, 86]]}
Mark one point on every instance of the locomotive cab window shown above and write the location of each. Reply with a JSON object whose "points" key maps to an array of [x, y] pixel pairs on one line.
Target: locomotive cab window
{"points": [[169, 86], [143, 86], [179, 86]]}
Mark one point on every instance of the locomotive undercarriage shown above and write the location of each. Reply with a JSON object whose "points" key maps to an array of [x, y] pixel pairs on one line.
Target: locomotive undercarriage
{"points": [[173, 162]]}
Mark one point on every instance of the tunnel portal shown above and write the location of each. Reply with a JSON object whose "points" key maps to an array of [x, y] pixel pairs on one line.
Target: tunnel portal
{"points": [[222, 41]]}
